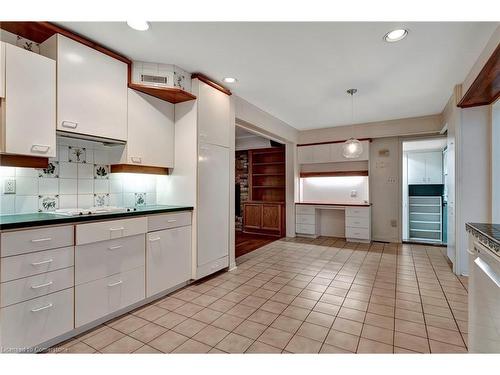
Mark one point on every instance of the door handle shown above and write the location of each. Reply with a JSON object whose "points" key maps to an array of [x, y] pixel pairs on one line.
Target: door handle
{"points": [[115, 247], [154, 239], [69, 124], [115, 284], [42, 149], [42, 308], [42, 262], [116, 229], [41, 239], [41, 285]]}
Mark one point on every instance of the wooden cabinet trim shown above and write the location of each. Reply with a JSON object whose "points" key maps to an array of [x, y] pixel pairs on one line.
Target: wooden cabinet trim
{"points": [[330, 142], [210, 82], [129, 168]]}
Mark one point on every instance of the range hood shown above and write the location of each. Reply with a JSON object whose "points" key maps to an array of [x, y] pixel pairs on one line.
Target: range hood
{"points": [[86, 137]]}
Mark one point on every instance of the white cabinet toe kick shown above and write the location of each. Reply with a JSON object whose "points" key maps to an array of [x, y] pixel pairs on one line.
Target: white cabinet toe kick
{"points": [[356, 227], [59, 281]]}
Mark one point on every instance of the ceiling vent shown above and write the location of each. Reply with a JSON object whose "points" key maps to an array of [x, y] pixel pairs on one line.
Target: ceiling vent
{"points": [[157, 80]]}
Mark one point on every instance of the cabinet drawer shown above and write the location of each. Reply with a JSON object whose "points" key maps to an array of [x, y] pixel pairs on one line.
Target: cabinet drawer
{"points": [[357, 212], [358, 233], [307, 210], [305, 228], [31, 264], [305, 219], [357, 222], [27, 241], [108, 230], [35, 286], [102, 297], [173, 220], [33, 322], [102, 259]]}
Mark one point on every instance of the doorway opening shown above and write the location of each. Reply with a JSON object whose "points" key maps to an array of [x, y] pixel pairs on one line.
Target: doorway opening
{"points": [[260, 187], [424, 191]]}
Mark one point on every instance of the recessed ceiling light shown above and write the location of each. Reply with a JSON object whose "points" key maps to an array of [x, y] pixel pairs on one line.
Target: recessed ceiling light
{"points": [[138, 25], [395, 35], [229, 79]]}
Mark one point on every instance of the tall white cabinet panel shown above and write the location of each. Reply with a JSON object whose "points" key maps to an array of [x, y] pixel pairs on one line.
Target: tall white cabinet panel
{"points": [[150, 131], [168, 259], [29, 107], [416, 168], [434, 167], [213, 203], [2, 69], [213, 115], [91, 89], [425, 167]]}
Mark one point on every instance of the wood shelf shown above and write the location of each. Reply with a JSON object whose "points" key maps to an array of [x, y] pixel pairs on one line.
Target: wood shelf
{"points": [[268, 187], [170, 94], [130, 168], [270, 163], [268, 174]]}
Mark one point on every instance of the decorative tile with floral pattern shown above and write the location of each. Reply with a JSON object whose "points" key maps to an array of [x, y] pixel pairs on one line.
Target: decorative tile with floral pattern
{"points": [[140, 199], [77, 154], [101, 171], [48, 203], [52, 170], [101, 200]]}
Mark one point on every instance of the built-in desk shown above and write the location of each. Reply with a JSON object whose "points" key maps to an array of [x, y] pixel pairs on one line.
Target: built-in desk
{"points": [[357, 220]]}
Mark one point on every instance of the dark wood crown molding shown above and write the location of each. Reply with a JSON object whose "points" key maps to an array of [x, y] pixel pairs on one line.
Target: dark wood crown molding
{"points": [[330, 142], [486, 87], [210, 82]]}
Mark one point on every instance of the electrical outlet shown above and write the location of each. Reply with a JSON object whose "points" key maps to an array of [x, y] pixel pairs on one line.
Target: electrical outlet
{"points": [[9, 186]]}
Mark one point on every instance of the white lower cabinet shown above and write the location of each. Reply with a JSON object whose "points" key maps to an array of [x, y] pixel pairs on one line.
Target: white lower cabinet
{"points": [[168, 259], [102, 297], [28, 324]]}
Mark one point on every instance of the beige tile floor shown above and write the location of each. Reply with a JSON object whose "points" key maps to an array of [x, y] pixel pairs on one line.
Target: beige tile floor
{"points": [[303, 296]]}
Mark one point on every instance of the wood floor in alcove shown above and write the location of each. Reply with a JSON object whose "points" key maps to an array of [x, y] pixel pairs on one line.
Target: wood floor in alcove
{"points": [[246, 242]]}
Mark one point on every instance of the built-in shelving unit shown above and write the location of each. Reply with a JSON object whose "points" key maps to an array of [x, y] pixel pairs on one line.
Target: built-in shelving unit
{"points": [[425, 218], [267, 174]]}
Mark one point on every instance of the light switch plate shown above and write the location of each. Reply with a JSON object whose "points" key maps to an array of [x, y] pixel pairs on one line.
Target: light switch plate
{"points": [[9, 186]]}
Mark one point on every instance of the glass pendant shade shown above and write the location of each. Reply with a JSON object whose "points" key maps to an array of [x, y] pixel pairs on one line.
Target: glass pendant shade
{"points": [[352, 149]]}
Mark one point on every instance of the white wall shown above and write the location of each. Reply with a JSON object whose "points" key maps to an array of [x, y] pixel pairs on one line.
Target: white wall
{"points": [[334, 189], [495, 162]]}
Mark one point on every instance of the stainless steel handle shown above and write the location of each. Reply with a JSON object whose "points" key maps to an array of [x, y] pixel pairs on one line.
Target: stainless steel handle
{"points": [[171, 221], [136, 159], [41, 285], [42, 308], [41, 239], [115, 247], [115, 229], [42, 149], [42, 262], [488, 271], [69, 124], [470, 252], [115, 284], [154, 239]]}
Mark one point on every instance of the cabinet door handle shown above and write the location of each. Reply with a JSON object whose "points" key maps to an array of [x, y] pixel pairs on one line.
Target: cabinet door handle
{"points": [[136, 159], [42, 262], [41, 285], [115, 284], [41, 239], [171, 221], [115, 247], [42, 149], [116, 229], [42, 308], [154, 239], [69, 124]]}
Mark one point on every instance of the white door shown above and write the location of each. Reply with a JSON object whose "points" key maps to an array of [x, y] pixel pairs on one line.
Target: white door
{"points": [[213, 115], [416, 168], [213, 203], [150, 131], [91, 91], [168, 259], [434, 167], [30, 110]]}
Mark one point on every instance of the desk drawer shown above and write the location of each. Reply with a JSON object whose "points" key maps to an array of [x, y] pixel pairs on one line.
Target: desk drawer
{"points": [[305, 219], [357, 222], [166, 221], [27, 241], [102, 259], [20, 266], [357, 233], [109, 230], [33, 322], [305, 229], [35, 286], [102, 297], [306, 210], [357, 212]]}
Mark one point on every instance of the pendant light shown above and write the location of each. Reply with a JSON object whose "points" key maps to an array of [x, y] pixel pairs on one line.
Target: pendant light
{"points": [[352, 148]]}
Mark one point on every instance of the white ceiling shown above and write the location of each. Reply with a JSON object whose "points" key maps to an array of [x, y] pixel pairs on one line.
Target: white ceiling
{"points": [[299, 72]]}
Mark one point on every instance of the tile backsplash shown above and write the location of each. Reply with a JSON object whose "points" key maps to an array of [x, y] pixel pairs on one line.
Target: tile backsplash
{"points": [[78, 177]]}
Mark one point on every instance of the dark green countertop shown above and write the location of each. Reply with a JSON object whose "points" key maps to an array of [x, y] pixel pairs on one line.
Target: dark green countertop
{"points": [[39, 219]]}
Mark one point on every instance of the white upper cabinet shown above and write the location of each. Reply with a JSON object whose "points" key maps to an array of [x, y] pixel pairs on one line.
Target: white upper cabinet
{"points": [[150, 131], [329, 153], [2, 69], [91, 89], [425, 168], [213, 114], [28, 119]]}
